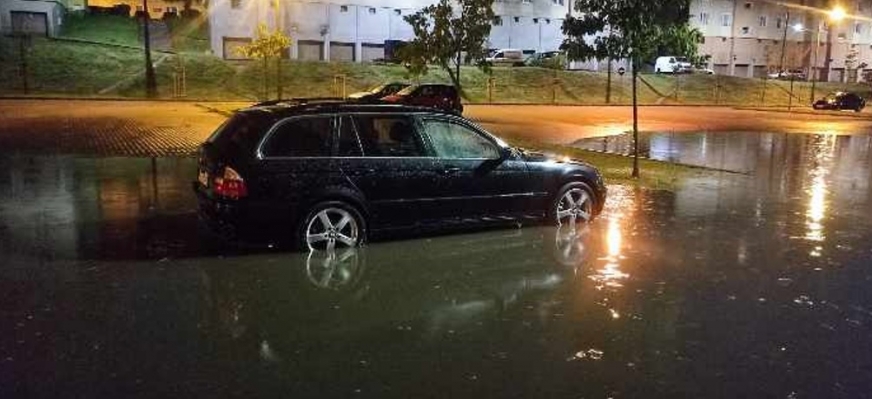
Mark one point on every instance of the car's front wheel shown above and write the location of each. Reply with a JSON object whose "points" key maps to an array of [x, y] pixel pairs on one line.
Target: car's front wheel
{"points": [[332, 225], [574, 203]]}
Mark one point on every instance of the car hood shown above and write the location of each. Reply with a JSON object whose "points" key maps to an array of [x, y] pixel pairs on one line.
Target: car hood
{"points": [[534, 156]]}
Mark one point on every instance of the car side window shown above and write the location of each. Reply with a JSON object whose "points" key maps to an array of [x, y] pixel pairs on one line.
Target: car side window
{"points": [[303, 137], [455, 141], [389, 136], [349, 144]]}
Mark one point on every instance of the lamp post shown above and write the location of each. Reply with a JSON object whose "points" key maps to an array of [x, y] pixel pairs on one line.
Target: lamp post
{"points": [[835, 15], [150, 80]]}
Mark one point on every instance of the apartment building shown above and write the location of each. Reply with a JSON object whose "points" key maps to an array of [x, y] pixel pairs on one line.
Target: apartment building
{"points": [[750, 38], [357, 30]]}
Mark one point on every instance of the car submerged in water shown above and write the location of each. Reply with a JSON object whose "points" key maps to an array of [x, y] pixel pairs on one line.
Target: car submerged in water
{"points": [[332, 174]]}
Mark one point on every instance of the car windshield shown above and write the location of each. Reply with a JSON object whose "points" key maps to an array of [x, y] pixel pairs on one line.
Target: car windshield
{"points": [[378, 89], [407, 91]]}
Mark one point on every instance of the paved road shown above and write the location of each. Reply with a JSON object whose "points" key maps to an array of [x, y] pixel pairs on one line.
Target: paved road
{"points": [[142, 128]]}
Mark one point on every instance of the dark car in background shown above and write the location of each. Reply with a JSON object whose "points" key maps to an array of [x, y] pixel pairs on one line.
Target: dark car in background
{"points": [[332, 174], [378, 92], [440, 96], [842, 100]]}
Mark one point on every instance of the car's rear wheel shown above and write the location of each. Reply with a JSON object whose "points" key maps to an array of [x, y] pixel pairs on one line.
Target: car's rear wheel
{"points": [[573, 204], [332, 225]]}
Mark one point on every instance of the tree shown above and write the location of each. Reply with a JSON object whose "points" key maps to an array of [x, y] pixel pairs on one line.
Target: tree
{"points": [[637, 28], [448, 37], [266, 45]]}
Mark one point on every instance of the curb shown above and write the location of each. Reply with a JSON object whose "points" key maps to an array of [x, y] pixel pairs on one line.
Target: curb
{"points": [[803, 111]]}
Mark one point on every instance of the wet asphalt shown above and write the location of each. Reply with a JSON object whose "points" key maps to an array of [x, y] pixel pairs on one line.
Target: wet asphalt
{"points": [[735, 285]]}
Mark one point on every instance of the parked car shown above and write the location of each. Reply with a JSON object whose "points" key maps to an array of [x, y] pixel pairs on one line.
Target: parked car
{"points": [[671, 64], [332, 174], [548, 59], [506, 57], [793, 74], [440, 96], [378, 92], [841, 100]]}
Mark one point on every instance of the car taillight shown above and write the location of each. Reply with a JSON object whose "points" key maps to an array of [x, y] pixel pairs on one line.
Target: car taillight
{"points": [[230, 184]]}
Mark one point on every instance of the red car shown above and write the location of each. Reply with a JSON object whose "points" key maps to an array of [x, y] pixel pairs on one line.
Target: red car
{"points": [[440, 96]]}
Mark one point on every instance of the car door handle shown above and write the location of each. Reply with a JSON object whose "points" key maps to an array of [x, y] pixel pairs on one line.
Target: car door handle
{"points": [[450, 171]]}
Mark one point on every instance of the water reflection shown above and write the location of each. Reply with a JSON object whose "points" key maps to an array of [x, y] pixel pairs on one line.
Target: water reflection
{"points": [[821, 150]]}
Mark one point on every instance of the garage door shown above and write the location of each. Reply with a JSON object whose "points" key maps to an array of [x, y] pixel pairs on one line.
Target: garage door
{"points": [[30, 22], [760, 71], [232, 46], [341, 51], [722, 69], [310, 50], [742, 71], [370, 52]]}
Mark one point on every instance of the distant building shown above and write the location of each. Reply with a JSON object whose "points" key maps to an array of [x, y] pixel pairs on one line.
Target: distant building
{"points": [[39, 17], [752, 38], [338, 30]]}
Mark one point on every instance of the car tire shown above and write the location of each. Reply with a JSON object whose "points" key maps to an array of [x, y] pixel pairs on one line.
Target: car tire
{"points": [[574, 203], [331, 225]]}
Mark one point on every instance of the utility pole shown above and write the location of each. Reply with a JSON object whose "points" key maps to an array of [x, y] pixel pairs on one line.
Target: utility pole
{"points": [[277, 11], [150, 80], [784, 42]]}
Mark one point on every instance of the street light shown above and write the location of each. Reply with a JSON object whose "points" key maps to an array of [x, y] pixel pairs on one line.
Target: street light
{"points": [[835, 15]]}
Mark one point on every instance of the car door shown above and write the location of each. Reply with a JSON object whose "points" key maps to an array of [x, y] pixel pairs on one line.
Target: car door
{"points": [[295, 162], [387, 160], [484, 178]]}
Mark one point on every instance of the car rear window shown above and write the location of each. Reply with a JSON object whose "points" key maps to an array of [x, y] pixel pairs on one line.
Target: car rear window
{"points": [[239, 134], [303, 137]]}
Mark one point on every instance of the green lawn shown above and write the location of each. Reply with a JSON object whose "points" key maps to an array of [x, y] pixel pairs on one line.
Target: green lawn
{"points": [[62, 67], [102, 28]]}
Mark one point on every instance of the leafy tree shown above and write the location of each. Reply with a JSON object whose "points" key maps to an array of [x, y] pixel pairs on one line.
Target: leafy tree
{"points": [[265, 46], [449, 37], [636, 30]]}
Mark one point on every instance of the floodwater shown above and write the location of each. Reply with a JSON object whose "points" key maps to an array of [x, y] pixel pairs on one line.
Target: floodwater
{"points": [[735, 285]]}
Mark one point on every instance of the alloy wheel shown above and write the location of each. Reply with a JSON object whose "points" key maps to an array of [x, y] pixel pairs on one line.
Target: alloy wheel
{"points": [[332, 228], [575, 205]]}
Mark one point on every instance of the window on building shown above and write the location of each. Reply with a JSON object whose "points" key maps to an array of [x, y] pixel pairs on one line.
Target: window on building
{"points": [[343, 8], [498, 21], [372, 10], [398, 11], [746, 30], [235, 4], [547, 21], [517, 19], [535, 20], [704, 18], [726, 20], [858, 28], [749, 5], [778, 23], [762, 21]]}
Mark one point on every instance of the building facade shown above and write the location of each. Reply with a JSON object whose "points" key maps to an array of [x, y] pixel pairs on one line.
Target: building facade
{"points": [[35, 17], [339, 30], [751, 38]]}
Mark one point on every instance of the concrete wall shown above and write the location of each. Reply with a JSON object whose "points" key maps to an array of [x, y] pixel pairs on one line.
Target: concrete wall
{"points": [[368, 23], [54, 13]]}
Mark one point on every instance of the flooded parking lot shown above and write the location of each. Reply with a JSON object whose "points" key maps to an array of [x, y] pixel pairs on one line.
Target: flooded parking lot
{"points": [[750, 284]]}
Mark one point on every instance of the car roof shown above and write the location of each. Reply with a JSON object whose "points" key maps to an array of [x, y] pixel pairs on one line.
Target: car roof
{"points": [[283, 109]]}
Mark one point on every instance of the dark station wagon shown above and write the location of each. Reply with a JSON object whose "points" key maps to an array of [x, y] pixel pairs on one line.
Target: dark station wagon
{"points": [[332, 174]]}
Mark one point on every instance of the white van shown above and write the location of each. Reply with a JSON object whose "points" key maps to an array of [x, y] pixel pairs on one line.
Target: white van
{"points": [[506, 57], [672, 64]]}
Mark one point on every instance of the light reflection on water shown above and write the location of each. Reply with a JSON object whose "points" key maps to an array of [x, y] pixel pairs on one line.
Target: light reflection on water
{"points": [[822, 148]]}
